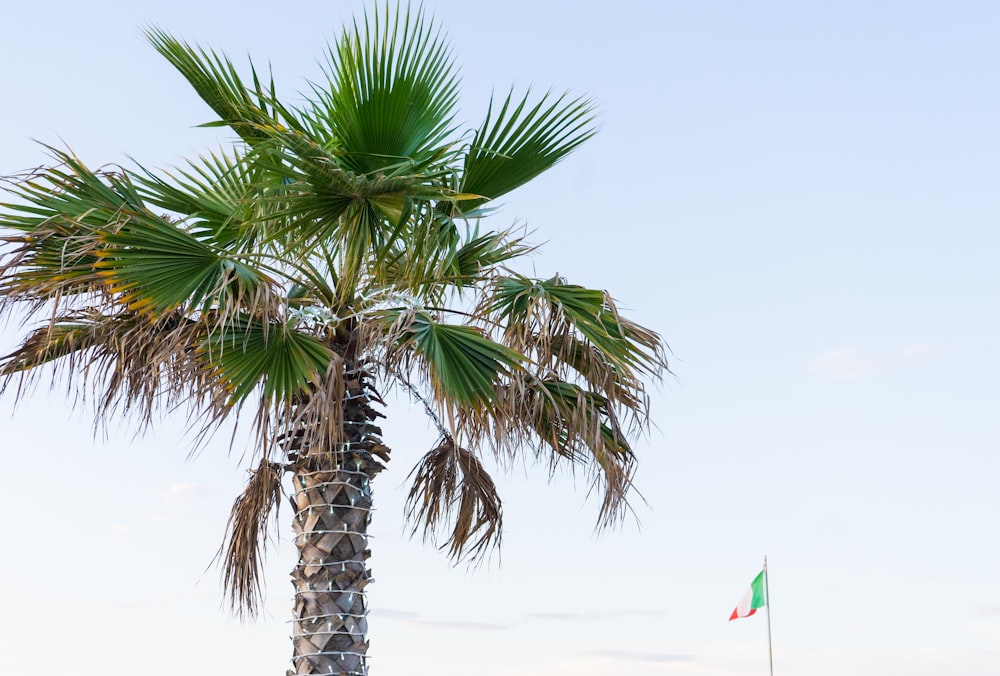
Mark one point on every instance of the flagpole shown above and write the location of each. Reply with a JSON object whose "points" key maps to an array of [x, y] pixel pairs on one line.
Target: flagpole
{"points": [[767, 602]]}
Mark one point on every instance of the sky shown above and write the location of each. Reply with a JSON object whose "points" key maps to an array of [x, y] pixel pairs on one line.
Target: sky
{"points": [[801, 197]]}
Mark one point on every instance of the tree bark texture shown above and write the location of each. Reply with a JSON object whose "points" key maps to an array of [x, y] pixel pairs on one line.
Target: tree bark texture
{"points": [[333, 507]]}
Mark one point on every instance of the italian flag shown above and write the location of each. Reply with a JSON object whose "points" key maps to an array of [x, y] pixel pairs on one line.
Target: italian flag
{"points": [[752, 600]]}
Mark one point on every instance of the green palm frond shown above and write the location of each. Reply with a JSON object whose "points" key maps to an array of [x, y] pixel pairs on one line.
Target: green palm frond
{"points": [[156, 267], [573, 357], [218, 83], [536, 311], [481, 253], [389, 101], [521, 142], [324, 190], [439, 259], [461, 363], [420, 252], [224, 196], [570, 419], [277, 359]]}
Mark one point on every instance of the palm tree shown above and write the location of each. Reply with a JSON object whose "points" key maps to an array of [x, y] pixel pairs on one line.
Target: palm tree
{"points": [[333, 251]]}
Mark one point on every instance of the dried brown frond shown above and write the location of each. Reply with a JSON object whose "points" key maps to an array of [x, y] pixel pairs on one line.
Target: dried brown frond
{"points": [[388, 336], [314, 423], [246, 538], [386, 329], [576, 360], [51, 268], [450, 482], [127, 362], [566, 426], [579, 328], [237, 297]]}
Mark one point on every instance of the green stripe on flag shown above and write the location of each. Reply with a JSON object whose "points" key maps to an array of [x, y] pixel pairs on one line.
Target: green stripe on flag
{"points": [[757, 587]]}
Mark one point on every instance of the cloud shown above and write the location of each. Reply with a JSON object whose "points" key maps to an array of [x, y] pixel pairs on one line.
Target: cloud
{"points": [[121, 605], [987, 631], [849, 363], [183, 493], [658, 658], [391, 613], [203, 597], [157, 517], [591, 616], [988, 611], [465, 624], [414, 618], [409, 617]]}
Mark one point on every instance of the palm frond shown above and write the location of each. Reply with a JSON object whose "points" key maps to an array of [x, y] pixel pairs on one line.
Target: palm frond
{"points": [[436, 258], [279, 360], [129, 362], [224, 196], [61, 213], [451, 484], [155, 267], [521, 141], [535, 312], [389, 101], [217, 82], [246, 538], [324, 191], [574, 358], [461, 363], [482, 253], [573, 426]]}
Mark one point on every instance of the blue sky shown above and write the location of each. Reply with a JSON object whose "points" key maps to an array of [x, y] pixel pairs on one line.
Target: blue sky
{"points": [[800, 196]]}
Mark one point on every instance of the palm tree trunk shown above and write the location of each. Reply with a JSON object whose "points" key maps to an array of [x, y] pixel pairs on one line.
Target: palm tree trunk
{"points": [[333, 506]]}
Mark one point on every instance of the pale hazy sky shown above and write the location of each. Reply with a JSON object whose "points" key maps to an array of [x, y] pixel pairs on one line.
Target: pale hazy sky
{"points": [[802, 197]]}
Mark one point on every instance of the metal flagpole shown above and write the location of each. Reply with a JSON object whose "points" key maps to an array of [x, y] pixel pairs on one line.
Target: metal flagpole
{"points": [[767, 602]]}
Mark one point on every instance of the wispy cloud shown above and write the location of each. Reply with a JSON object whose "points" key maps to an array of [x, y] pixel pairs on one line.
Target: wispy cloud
{"points": [[986, 630], [111, 604], [988, 611], [183, 493], [203, 597], [466, 624], [173, 497], [410, 617], [414, 618], [850, 363], [157, 517], [393, 614], [631, 656], [591, 616]]}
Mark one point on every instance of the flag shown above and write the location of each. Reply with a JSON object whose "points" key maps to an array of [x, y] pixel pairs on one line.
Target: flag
{"points": [[752, 600]]}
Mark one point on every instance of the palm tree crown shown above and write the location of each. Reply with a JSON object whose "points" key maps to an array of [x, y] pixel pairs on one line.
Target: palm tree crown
{"points": [[335, 249]]}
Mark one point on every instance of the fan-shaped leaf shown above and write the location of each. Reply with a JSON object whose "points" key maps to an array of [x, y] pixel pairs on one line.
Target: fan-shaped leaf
{"points": [[521, 142], [462, 363], [391, 94], [279, 360]]}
